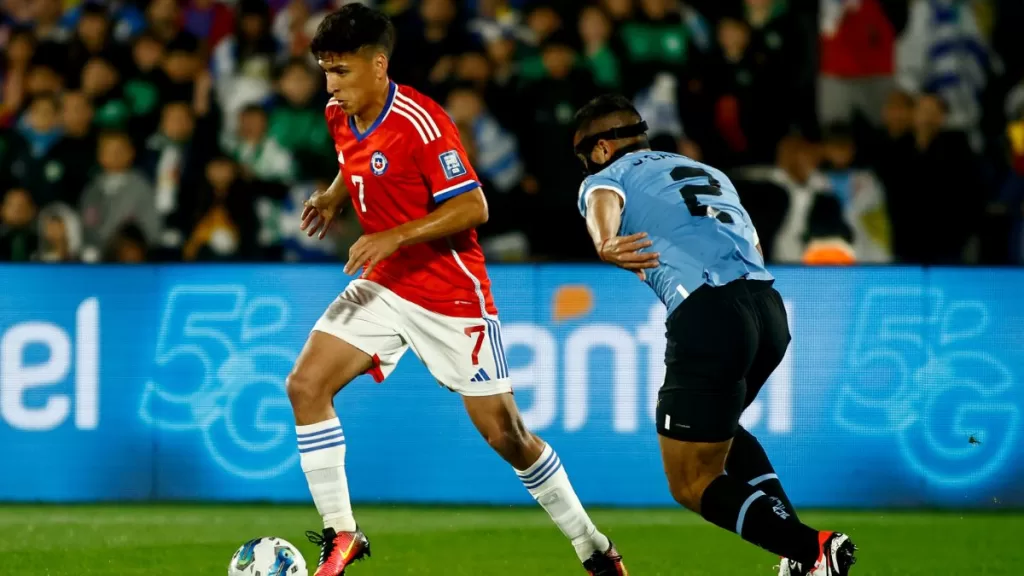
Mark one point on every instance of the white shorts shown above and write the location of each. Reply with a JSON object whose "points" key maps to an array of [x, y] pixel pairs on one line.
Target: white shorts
{"points": [[464, 354]]}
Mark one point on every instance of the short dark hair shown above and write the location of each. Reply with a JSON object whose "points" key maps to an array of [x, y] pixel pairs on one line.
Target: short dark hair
{"points": [[114, 134], [602, 107], [253, 107], [95, 8], [183, 42], [352, 28], [50, 97], [288, 65]]}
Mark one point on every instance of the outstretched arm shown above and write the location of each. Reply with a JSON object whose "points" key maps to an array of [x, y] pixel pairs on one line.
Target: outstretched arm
{"points": [[604, 215]]}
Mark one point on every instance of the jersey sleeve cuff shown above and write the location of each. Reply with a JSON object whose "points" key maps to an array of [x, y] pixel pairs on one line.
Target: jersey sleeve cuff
{"points": [[453, 191], [586, 192]]}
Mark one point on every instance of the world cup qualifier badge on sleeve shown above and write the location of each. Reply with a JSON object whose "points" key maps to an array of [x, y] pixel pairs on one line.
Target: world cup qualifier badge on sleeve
{"points": [[452, 164]]}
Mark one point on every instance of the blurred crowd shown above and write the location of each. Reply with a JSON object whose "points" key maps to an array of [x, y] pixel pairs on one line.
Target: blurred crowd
{"points": [[856, 130]]}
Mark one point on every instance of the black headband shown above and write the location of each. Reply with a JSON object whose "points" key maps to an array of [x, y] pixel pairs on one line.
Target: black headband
{"points": [[587, 144]]}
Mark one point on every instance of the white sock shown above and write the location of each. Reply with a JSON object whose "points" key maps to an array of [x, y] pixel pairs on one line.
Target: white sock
{"points": [[549, 485], [322, 454]]}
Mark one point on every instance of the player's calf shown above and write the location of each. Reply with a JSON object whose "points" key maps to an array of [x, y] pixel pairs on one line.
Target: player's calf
{"points": [[540, 470], [732, 504], [690, 475], [507, 435]]}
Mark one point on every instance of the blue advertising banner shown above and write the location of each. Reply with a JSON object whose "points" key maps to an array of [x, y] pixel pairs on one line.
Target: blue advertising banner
{"points": [[901, 388]]}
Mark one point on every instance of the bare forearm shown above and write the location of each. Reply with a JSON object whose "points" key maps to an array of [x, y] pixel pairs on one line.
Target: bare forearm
{"points": [[460, 213], [338, 186], [604, 213]]}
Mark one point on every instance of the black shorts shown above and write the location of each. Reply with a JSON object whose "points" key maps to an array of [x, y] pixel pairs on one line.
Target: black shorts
{"points": [[723, 344]]}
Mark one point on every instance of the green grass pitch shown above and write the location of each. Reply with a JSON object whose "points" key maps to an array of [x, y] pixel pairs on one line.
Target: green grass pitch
{"points": [[194, 540]]}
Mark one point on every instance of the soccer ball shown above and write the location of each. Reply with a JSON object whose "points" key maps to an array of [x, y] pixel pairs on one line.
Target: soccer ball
{"points": [[267, 557]]}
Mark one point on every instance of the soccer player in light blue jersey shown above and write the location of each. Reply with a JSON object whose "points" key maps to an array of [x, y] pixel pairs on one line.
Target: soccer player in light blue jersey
{"points": [[679, 225]]}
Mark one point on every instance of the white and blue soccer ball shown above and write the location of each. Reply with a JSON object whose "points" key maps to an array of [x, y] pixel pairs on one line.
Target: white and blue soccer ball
{"points": [[267, 557]]}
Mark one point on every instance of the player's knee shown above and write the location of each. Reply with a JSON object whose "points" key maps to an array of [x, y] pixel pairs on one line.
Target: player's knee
{"points": [[689, 481], [304, 391], [689, 490]]}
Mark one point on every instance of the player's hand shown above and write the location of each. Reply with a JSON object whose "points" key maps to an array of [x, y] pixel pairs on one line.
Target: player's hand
{"points": [[319, 213], [370, 249], [625, 252]]}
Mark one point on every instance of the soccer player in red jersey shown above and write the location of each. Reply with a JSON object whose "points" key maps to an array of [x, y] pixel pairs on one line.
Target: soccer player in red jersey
{"points": [[423, 285]]}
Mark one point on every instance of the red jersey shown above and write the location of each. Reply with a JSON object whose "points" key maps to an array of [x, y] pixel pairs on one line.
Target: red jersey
{"points": [[408, 162]]}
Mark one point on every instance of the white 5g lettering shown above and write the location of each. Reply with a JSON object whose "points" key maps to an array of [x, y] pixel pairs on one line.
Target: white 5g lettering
{"points": [[17, 377]]}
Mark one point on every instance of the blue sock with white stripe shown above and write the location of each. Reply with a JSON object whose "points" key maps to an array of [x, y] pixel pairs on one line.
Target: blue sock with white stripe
{"points": [[737, 506], [549, 485], [322, 455]]}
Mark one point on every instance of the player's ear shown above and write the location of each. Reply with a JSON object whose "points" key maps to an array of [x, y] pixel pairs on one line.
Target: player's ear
{"points": [[380, 65]]}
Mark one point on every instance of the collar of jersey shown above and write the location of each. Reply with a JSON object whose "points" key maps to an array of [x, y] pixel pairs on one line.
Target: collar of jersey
{"points": [[392, 88]]}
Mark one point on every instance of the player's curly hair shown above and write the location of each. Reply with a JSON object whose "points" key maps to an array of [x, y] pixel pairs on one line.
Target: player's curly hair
{"points": [[354, 27], [602, 107]]}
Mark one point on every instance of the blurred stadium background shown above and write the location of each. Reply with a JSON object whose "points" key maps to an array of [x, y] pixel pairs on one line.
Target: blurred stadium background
{"points": [[143, 425]]}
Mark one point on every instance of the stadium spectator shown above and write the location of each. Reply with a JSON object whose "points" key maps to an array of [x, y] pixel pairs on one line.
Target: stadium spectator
{"points": [[796, 183], [118, 195], [943, 52], [503, 90], [548, 105], [225, 227], [93, 39], [496, 149], [431, 38], [18, 238], [595, 29], [934, 180], [101, 83], [295, 25], [127, 246], [44, 77], [31, 156], [513, 71], [785, 39], [75, 153], [296, 121], [472, 68], [60, 234], [47, 21], [243, 63], [857, 41], [173, 160], [183, 72], [658, 41], [1011, 197], [14, 74], [163, 19], [257, 152], [744, 125], [860, 197], [143, 83], [209, 20], [126, 18]]}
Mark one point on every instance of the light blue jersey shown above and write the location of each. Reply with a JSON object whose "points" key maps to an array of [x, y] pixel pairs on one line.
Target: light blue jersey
{"points": [[692, 215]]}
